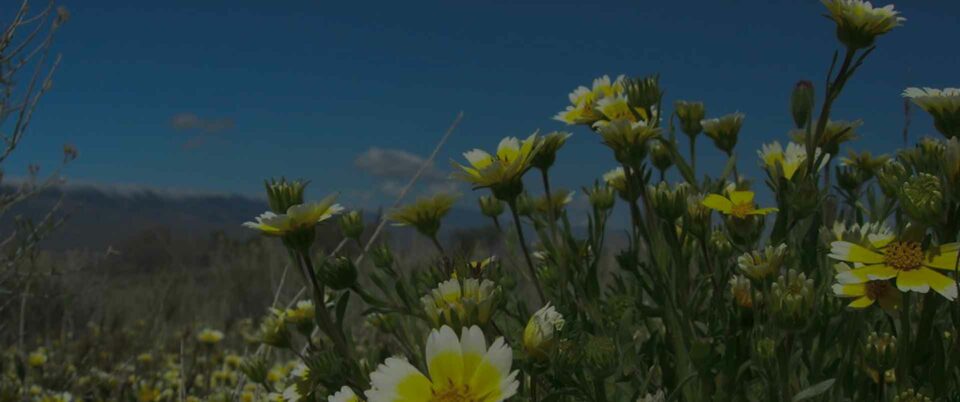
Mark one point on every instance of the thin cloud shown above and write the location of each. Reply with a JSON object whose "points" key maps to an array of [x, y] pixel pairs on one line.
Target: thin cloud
{"points": [[394, 168]]}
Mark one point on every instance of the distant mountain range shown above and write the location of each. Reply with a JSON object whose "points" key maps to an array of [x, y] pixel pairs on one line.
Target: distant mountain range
{"points": [[99, 217]]}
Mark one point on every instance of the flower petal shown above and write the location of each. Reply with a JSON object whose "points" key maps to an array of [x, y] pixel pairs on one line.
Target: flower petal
{"points": [[943, 257], [850, 252], [849, 290], [868, 273], [862, 302], [444, 359], [741, 197], [397, 380], [718, 202], [914, 281], [941, 284]]}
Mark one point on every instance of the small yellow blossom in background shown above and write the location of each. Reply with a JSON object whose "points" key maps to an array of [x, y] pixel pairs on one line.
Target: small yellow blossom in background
{"points": [[628, 139], [742, 291], [887, 257], [859, 23], [500, 172], [460, 369], [616, 179], [302, 312], [297, 217], [210, 336], [345, 394], [942, 104], [739, 204], [37, 358]]}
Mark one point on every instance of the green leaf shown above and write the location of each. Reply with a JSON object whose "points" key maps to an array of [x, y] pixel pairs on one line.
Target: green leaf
{"points": [[814, 390], [342, 307]]}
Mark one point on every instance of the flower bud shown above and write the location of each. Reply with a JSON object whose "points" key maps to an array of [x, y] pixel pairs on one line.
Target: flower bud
{"points": [[690, 114], [890, 177], [600, 354], [255, 368], [724, 131], [549, 145], [643, 93], [490, 206], [301, 316], [524, 204], [766, 348], [339, 274], [273, 331], [601, 197], [720, 244], [910, 395], [801, 103], [850, 178], [791, 298], [541, 332], [37, 358], [351, 224], [880, 352], [555, 202], [382, 256], [742, 291], [669, 203], [660, 155], [283, 194], [922, 198], [760, 265]]}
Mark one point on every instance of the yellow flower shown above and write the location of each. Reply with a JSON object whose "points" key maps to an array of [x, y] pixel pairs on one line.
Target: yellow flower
{"points": [[724, 130], [887, 257], [210, 336], [942, 104], [471, 301], [345, 394], [867, 293], [742, 291], [463, 369], [500, 172], [617, 107], [302, 312], [739, 205], [37, 358], [300, 216], [859, 23]]}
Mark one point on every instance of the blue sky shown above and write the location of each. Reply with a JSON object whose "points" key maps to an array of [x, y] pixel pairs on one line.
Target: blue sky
{"points": [[304, 88]]}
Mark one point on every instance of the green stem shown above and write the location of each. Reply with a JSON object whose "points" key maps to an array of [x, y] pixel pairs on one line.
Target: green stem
{"points": [[526, 253], [693, 155]]}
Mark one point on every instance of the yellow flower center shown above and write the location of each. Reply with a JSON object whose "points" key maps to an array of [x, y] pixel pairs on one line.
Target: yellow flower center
{"points": [[904, 255], [876, 289], [741, 210], [454, 394]]}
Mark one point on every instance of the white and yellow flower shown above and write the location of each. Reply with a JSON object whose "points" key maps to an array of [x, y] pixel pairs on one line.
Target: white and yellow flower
{"points": [[583, 100], [297, 217], [345, 394], [460, 369], [503, 170], [790, 161], [887, 257], [942, 104], [859, 22]]}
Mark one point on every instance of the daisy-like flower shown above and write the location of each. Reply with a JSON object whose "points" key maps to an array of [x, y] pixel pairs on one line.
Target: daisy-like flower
{"points": [[867, 293], [460, 370], [470, 301], [297, 217], [775, 159], [583, 101], [425, 214], [859, 22], [942, 104], [618, 107], [500, 172], [628, 139], [345, 394], [739, 204], [887, 257]]}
